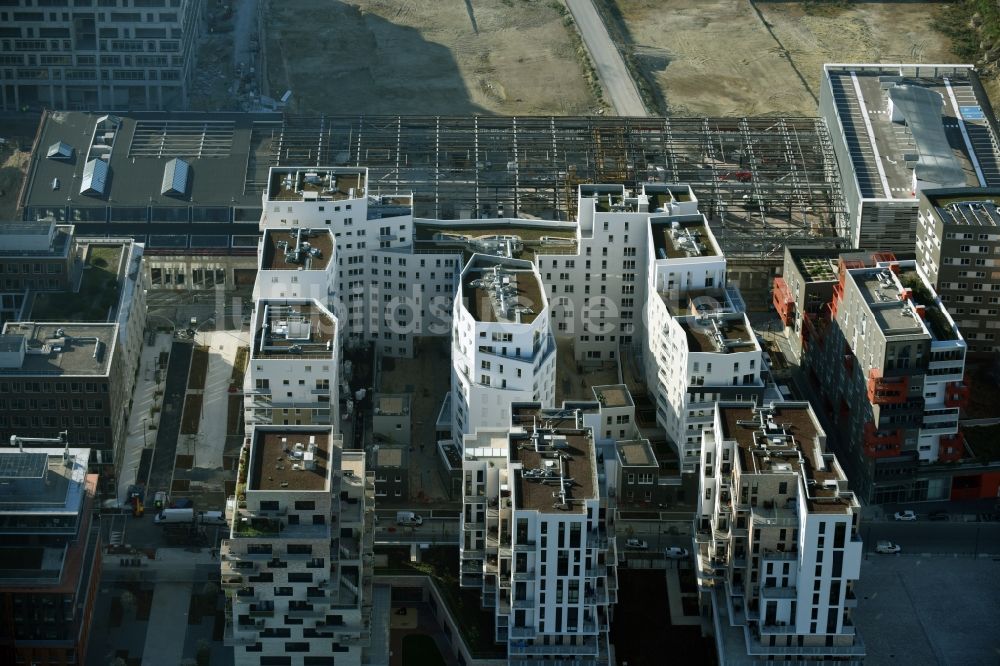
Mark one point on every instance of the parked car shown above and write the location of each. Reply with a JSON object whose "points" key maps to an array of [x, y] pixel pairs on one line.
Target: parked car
{"points": [[887, 547], [938, 515], [633, 543], [676, 553], [181, 503], [905, 515]]}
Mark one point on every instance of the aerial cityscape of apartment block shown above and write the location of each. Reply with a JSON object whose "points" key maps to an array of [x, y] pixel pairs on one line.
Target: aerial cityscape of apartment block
{"points": [[578, 333]]}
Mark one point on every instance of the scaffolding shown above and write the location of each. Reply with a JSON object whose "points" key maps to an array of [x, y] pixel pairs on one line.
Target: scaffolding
{"points": [[761, 182]]}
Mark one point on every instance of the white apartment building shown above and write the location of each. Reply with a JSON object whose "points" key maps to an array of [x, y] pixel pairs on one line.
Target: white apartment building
{"points": [[534, 537], [502, 348], [700, 346], [292, 376], [109, 54], [297, 564], [777, 540]]}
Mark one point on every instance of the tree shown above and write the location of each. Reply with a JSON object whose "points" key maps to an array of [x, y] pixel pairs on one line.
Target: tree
{"points": [[127, 601]]}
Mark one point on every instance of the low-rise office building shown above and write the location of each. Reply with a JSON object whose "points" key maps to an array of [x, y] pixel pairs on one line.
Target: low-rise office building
{"points": [[50, 552], [297, 566], [777, 546]]}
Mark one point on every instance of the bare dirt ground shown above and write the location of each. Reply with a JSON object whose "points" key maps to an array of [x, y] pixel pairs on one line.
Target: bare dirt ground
{"points": [[18, 133], [425, 57], [718, 58]]}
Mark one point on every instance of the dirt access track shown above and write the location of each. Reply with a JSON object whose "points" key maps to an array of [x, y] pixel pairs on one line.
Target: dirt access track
{"points": [[413, 57], [719, 58]]}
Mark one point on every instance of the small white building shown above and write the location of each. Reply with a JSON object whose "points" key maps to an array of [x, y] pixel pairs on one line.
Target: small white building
{"points": [[534, 537], [502, 348]]}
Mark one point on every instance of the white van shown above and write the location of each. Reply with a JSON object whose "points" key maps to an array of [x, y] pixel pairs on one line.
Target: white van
{"points": [[408, 518], [212, 518], [174, 516]]}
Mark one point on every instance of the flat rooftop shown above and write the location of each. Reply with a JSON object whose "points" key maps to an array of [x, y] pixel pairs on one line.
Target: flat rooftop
{"points": [[682, 237], [389, 456], [289, 250], [293, 329], [636, 453], [392, 405], [783, 439], [661, 196], [527, 415], [64, 348], [973, 209], [615, 395], [40, 481], [884, 299], [820, 267], [934, 118], [293, 459], [502, 293], [519, 239], [35, 239], [316, 184], [566, 459], [718, 334]]}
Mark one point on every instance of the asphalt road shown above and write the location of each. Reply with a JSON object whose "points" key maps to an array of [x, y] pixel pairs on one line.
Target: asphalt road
{"points": [[607, 61], [935, 537], [162, 469]]}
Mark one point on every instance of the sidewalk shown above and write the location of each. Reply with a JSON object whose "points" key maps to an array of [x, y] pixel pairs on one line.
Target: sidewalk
{"points": [[167, 625], [139, 436]]}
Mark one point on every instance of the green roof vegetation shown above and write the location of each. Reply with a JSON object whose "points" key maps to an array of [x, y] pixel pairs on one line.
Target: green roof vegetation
{"points": [[97, 296], [936, 320]]}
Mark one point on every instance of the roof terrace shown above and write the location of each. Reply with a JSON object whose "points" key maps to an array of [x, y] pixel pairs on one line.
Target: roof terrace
{"points": [[289, 250], [786, 440], [293, 329], [60, 349], [720, 334], [558, 470], [294, 459], [502, 293], [636, 453], [515, 238], [678, 238], [613, 395], [316, 184]]}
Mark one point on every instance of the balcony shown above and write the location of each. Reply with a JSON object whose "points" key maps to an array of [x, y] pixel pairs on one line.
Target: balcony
{"points": [[951, 448], [526, 603], [887, 390], [778, 593], [783, 301], [525, 547], [522, 632], [878, 444], [588, 648], [957, 395]]}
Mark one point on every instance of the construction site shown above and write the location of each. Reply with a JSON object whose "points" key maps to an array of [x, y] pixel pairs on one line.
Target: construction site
{"points": [[762, 182]]}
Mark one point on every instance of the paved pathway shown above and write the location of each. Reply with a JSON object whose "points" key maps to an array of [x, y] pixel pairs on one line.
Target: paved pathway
{"points": [[607, 60], [138, 436], [222, 346], [162, 469], [167, 625]]}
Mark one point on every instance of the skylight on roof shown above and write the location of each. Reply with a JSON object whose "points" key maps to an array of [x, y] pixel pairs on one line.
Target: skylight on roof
{"points": [[95, 176]]}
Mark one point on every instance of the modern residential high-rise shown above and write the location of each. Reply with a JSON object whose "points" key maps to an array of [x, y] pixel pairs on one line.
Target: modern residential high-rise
{"points": [[502, 349], [776, 540], [109, 55], [50, 552], [958, 238], [889, 363], [297, 566], [535, 538], [699, 346], [900, 129]]}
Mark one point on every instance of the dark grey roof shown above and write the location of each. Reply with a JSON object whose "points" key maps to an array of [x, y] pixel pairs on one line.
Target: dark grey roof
{"points": [[922, 109]]}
